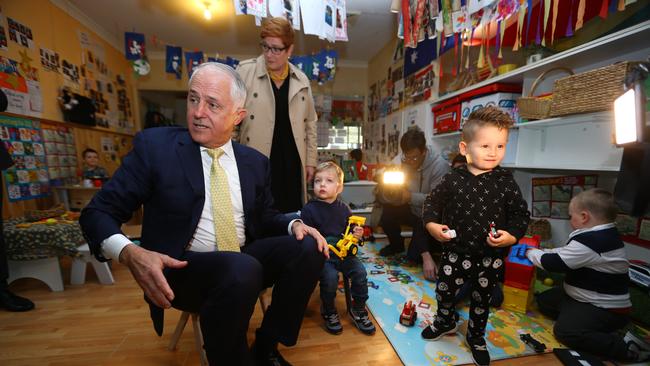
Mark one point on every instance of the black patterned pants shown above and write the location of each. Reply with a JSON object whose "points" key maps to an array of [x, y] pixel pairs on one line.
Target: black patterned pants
{"points": [[454, 271]]}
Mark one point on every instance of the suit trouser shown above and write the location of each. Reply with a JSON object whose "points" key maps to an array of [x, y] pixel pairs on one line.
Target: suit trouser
{"points": [[583, 326], [223, 288]]}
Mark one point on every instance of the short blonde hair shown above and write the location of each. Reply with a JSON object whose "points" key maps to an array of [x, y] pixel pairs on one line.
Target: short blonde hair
{"points": [[486, 116], [278, 27], [330, 165], [598, 202]]}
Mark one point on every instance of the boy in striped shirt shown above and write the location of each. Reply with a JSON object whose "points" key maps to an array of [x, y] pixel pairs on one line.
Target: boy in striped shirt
{"points": [[593, 306]]}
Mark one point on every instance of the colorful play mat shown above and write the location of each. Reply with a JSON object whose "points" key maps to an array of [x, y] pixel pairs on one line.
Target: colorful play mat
{"points": [[392, 281]]}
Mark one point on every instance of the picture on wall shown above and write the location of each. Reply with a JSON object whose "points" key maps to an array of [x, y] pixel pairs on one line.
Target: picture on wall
{"points": [[551, 196], [29, 177]]}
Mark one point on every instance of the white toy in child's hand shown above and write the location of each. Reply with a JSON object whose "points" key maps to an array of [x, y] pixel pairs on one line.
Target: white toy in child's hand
{"points": [[450, 233]]}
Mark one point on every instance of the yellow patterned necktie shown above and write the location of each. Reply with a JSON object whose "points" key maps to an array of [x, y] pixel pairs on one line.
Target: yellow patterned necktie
{"points": [[222, 213]]}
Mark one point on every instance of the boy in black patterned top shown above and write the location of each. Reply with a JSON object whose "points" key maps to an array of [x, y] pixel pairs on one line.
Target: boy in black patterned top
{"points": [[467, 200]]}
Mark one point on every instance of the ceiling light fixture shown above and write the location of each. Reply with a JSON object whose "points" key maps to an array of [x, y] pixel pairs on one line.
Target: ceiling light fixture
{"points": [[206, 12]]}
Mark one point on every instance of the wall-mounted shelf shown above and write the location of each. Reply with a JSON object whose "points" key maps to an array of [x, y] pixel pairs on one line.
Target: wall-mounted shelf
{"points": [[626, 41], [574, 142]]}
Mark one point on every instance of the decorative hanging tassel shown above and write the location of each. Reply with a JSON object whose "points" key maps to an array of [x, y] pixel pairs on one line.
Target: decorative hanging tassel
{"points": [[581, 14], [547, 11], [529, 9], [569, 24], [556, 4]]}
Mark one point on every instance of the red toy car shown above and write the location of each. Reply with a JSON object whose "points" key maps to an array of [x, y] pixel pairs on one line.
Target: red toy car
{"points": [[409, 315]]}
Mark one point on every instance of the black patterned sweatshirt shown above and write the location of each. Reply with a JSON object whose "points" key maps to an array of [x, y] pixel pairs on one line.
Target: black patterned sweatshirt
{"points": [[467, 203]]}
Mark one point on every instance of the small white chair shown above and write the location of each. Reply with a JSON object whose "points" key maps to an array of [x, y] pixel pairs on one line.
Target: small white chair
{"points": [[78, 271], [47, 270]]}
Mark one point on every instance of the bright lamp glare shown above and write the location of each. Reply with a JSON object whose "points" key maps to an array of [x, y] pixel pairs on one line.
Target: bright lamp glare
{"points": [[625, 118], [394, 178], [207, 14]]}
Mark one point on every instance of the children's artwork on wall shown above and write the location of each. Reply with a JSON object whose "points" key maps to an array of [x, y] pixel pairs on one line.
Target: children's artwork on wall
{"points": [[634, 229], [173, 61], [193, 59], [3, 38], [134, 46], [341, 21], [19, 81], [28, 178], [347, 111], [551, 196], [256, 8], [50, 60], [70, 72], [61, 153], [20, 33]]}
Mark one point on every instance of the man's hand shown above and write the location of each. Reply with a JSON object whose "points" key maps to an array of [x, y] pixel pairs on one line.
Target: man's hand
{"points": [[309, 170], [503, 240], [357, 232], [429, 267], [438, 231], [300, 230], [147, 268], [406, 196]]}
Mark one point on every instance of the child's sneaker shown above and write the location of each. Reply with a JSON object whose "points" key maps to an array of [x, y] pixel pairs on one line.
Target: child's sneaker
{"points": [[332, 322], [434, 332], [637, 349], [480, 354], [362, 321]]}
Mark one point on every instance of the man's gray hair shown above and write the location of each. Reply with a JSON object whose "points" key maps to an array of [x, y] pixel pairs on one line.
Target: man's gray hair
{"points": [[237, 86]]}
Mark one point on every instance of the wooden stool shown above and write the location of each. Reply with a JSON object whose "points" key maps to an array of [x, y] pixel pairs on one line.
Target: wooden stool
{"points": [[196, 327]]}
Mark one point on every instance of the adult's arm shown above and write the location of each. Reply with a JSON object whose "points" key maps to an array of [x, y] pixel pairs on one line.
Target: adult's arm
{"points": [[440, 169], [310, 131], [115, 203]]}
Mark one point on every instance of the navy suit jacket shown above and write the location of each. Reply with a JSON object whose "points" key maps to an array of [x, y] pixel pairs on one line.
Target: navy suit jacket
{"points": [[164, 173]]}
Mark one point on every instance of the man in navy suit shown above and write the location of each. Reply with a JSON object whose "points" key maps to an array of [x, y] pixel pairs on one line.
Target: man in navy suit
{"points": [[179, 263]]}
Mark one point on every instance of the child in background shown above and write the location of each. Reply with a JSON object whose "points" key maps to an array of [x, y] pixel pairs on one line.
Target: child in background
{"points": [[467, 200], [91, 168], [594, 303], [360, 167], [330, 216]]}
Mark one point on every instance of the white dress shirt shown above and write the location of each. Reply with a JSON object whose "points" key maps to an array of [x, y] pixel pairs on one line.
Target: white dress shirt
{"points": [[204, 238]]}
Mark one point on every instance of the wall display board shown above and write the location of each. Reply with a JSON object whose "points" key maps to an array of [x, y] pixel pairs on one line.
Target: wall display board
{"points": [[61, 153], [551, 196], [634, 229], [28, 178]]}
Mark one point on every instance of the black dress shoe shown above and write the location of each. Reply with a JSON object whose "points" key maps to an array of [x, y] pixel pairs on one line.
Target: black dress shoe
{"points": [[12, 302], [268, 356], [389, 250]]}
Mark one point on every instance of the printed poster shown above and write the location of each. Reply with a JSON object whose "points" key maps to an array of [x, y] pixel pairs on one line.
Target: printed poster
{"points": [[551, 196], [28, 178], [20, 33], [60, 151]]}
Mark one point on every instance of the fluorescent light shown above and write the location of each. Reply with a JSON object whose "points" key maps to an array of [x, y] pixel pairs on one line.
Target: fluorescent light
{"points": [[625, 118]]}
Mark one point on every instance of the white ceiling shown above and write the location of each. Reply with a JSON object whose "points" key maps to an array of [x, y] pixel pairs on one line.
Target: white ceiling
{"points": [[181, 23]]}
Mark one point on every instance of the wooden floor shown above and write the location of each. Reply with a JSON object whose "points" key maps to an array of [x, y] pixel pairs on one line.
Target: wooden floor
{"points": [[93, 324]]}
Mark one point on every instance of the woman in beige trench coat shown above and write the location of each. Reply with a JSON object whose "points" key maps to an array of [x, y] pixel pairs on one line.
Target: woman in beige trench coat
{"points": [[281, 120]]}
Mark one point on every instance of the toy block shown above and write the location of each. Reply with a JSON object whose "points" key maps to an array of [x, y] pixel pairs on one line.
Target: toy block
{"points": [[516, 299], [519, 271]]}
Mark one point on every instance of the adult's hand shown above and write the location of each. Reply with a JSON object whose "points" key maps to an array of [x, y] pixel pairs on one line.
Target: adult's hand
{"points": [[309, 170], [429, 267], [147, 268], [300, 230]]}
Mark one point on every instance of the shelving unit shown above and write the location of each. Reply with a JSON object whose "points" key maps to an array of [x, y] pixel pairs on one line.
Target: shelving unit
{"points": [[579, 142], [602, 51]]}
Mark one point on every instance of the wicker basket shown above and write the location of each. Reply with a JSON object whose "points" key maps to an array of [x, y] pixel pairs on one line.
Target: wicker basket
{"points": [[531, 107], [590, 91]]}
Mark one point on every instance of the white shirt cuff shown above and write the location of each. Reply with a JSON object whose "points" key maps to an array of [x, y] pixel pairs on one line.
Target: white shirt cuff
{"points": [[113, 245], [290, 224]]}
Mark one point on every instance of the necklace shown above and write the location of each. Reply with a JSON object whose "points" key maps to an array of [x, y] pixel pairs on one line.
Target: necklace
{"points": [[282, 75]]}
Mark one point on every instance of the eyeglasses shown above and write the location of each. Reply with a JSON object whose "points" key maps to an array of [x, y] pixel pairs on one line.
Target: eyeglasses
{"points": [[413, 159], [274, 50]]}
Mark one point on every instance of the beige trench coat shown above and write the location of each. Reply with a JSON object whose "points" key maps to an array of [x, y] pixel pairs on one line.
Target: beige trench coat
{"points": [[256, 130]]}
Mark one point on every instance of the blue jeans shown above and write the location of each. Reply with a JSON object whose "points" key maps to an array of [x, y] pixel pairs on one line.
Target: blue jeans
{"points": [[352, 268]]}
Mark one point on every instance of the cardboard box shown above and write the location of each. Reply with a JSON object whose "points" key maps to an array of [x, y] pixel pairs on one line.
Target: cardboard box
{"points": [[505, 101]]}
